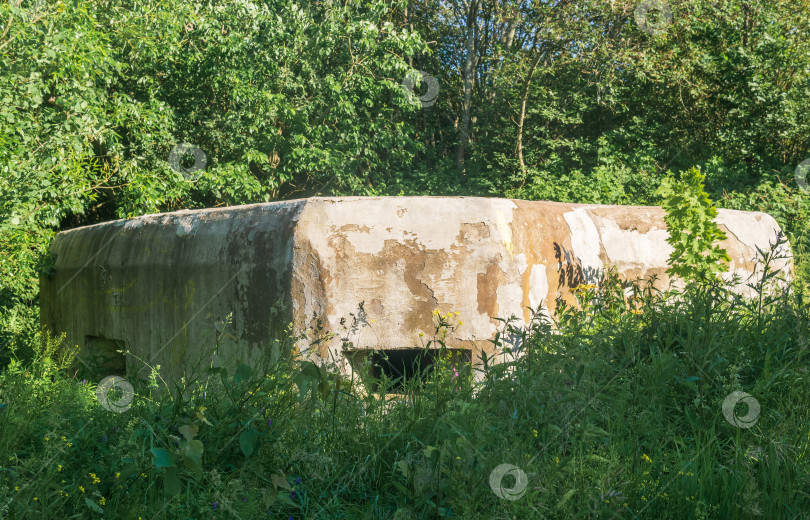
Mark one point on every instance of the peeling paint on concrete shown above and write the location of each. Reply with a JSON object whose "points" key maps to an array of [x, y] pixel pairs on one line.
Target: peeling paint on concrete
{"points": [[161, 283]]}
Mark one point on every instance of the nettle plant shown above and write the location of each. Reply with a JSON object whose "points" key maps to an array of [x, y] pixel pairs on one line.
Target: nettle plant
{"points": [[690, 217]]}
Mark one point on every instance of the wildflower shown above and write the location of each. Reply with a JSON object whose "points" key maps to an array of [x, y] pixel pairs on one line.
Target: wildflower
{"points": [[96, 480], [84, 381], [35, 498], [421, 334], [104, 439], [534, 432], [70, 445], [298, 480], [16, 488], [460, 323], [81, 489], [59, 467], [645, 458], [269, 422], [455, 372], [64, 438], [47, 438], [215, 506], [118, 474], [102, 501]]}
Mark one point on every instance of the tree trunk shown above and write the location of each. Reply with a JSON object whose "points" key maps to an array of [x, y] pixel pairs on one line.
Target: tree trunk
{"points": [[522, 117], [469, 80]]}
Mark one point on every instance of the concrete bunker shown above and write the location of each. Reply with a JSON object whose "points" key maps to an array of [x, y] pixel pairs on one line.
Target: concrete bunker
{"points": [[162, 286]]}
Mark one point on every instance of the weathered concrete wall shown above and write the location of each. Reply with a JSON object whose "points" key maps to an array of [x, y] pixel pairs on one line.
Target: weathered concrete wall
{"points": [[158, 282]]}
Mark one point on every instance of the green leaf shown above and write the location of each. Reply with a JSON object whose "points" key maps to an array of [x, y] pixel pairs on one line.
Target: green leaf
{"points": [[243, 373], [248, 441], [566, 497], [163, 458], [92, 505], [280, 481], [194, 450], [189, 431], [171, 482]]}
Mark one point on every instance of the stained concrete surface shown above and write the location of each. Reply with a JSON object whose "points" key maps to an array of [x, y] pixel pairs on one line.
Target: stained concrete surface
{"points": [[161, 285]]}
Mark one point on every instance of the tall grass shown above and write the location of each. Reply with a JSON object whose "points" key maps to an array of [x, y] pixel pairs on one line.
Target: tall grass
{"points": [[613, 411]]}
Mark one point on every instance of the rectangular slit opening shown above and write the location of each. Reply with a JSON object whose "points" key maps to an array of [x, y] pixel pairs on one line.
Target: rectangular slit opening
{"points": [[100, 357], [402, 365]]}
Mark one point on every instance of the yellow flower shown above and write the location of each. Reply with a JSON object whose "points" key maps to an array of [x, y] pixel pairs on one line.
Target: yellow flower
{"points": [[645, 458], [70, 445], [81, 489], [118, 474], [35, 498], [59, 468], [460, 323], [558, 460], [47, 438], [102, 501], [534, 432], [64, 438], [421, 334], [16, 488]]}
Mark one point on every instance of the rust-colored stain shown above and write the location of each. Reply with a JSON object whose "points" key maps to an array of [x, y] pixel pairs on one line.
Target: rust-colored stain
{"points": [[488, 283]]}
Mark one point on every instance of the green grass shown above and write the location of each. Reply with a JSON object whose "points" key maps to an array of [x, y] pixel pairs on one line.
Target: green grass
{"points": [[616, 412]]}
